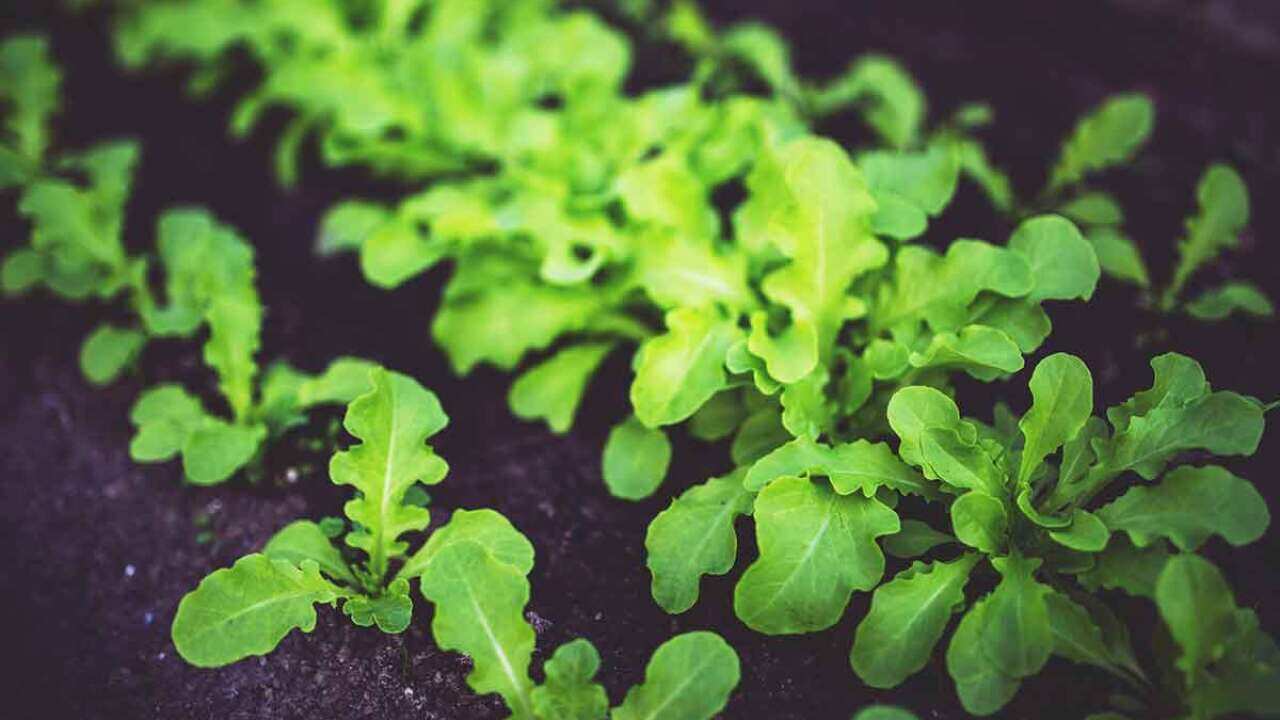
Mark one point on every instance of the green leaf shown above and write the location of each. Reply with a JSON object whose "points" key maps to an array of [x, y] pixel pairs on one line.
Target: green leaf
{"points": [[689, 677], [1223, 213], [962, 465], [165, 416], [570, 692], [552, 389], [1016, 635], [204, 262], [1094, 208], [924, 182], [916, 409], [983, 352], [887, 96], [1221, 302], [1122, 566], [718, 417], [635, 459], [30, 86], [1188, 506], [1118, 256], [485, 528], [884, 712], [391, 610], [303, 540], [215, 450], [679, 371], [1076, 636], [758, 435], [694, 536], [495, 309], [982, 686], [479, 611], [1198, 607], [820, 220], [247, 609], [1109, 135], [914, 539], [393, 421], [23, 269], [857, 466], [235, 324], [907, 618], [816, 548], [1063, 264], [347, 225], [1061, 403], [109, 350], [980, 521], [1086, 532]]}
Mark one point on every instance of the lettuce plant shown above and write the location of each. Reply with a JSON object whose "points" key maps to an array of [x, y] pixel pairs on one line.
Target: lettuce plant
{"points": [[1052, 543], [406, 88], [474, 570], [1111, 135]]}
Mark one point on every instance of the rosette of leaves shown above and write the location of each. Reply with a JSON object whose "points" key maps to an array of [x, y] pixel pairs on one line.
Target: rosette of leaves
{"points": [[1021, 499], [413, 89], [209, 284], [474, 570], [1110, 136], [248, 608]]}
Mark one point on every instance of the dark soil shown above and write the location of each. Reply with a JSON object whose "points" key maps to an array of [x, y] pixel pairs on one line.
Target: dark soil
{"points": [[97, 550]]}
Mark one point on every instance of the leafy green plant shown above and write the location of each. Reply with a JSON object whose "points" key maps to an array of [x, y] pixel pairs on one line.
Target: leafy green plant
{"points": [[405, 88], [474, 570], [1112, 135], [1052, 545]]}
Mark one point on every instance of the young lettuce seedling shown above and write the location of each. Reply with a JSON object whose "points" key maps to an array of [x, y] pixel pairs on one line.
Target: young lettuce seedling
{"points": [[474, 570], [1035, 522], [1112, 135], [209, 276]]}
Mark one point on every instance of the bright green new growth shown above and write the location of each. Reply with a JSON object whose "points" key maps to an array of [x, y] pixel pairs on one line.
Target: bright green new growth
{"points": [[209, 282], [248, 608], [1029, 517]]}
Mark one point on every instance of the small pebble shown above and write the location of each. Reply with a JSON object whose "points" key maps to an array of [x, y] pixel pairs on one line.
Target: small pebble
{"points": [[129, 570], [148, 617]]}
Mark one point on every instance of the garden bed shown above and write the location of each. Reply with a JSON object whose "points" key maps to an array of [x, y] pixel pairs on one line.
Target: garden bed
{"points": [[100, 549]]}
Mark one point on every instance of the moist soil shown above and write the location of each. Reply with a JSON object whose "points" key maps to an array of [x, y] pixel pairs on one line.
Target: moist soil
{"points": [[97, 550]]}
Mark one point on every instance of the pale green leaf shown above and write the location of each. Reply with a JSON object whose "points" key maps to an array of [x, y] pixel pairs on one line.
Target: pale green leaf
{"points": [[694, 536], [680, 370], [479, 611], [1061, 403], [303, 540], [1063, 264], [816, 549], [982, 686], [1109, 135], [857, 466], [570, 691], [635, 459], [1016, 635], [983, 352], [689, 677], [247, 609], [215, 450], [393, 421], [1086, 533], [907, 618], [1118, 256], [552, 389], [980, 521], [1233, 297], [108, 351], [1188, 506], [1223, 212], [485, 528]]}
